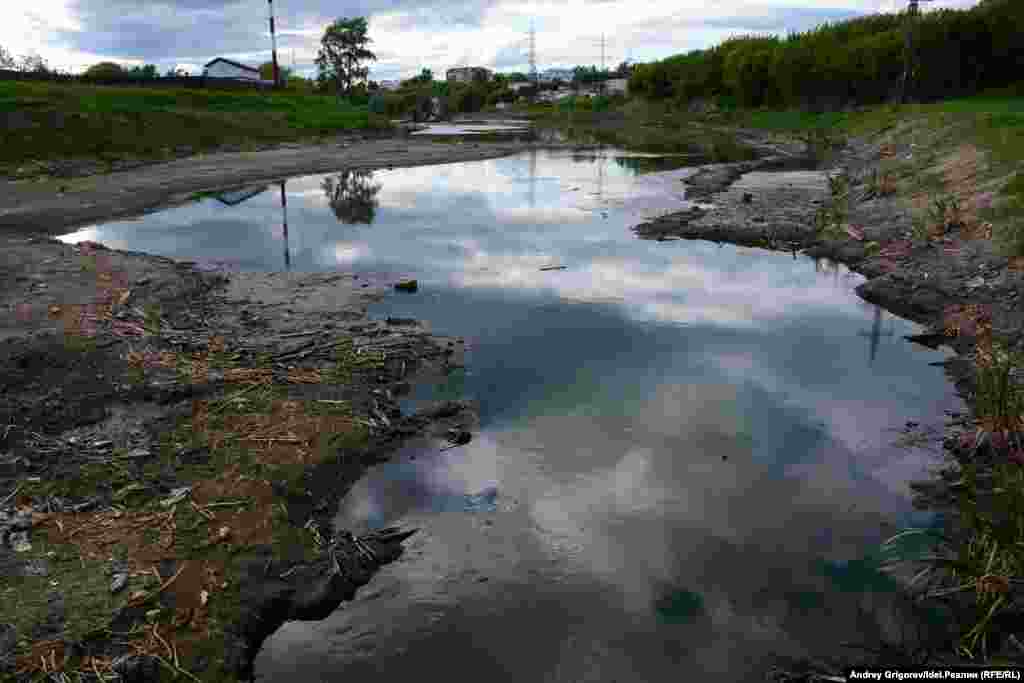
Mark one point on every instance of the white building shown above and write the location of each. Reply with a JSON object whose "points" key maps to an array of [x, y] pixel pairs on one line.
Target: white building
{"points": [[467, 74], [616, 85], [226, 68], [549, 75], [390, 85]]}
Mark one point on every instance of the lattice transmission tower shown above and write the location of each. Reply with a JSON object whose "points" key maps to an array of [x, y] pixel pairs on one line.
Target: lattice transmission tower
{"points": [[533, 54]]}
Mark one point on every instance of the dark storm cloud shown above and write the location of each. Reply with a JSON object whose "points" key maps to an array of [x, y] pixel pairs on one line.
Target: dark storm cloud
{"points": [[197, 29]]}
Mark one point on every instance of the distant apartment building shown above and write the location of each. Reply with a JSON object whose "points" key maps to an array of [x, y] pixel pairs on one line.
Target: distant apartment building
{"points": [[549, 75], [616, 86], [468, 74]]}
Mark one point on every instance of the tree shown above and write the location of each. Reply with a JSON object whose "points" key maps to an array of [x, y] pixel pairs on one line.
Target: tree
{"points": [[105, 70], [342, 52], [33, 64], [352, 195], [147, 71], [267, 72], [6, 59]]}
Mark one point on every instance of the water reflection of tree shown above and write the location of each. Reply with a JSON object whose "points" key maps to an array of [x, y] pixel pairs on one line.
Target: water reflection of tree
{"points": [[641, 165], [352, 195]]}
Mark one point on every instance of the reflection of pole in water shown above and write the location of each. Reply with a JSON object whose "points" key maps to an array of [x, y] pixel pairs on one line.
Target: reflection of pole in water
{"points": [[876, 333], [533, 175], [284, 220]]}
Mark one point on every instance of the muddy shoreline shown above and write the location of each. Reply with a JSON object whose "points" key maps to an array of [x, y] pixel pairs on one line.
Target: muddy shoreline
{"points": [[772, 204], [50, 206], [80, 398], [939, 283], [85, 362]]}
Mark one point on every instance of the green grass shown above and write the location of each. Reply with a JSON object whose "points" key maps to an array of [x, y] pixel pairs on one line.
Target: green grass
{"points": [[48, 121]]}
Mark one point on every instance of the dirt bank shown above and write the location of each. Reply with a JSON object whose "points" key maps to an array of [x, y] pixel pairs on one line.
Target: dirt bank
{"points": [[755, 204], [172, 445]]}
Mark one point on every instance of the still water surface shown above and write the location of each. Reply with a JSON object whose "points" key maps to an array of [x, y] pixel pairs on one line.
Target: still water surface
{"points": [[686, 458]]}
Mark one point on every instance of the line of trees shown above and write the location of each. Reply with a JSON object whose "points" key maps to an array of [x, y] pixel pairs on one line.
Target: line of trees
{"points": [[859, 61], [26, 63]]}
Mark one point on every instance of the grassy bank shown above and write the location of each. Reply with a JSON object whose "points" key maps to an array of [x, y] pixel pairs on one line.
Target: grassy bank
{"points": [[53, 121], [984, 134]]}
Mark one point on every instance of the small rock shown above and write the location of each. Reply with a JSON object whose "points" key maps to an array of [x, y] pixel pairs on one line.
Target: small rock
{"points": [[37, 567], [118, 583], [407, 286], [19, 541], [975, 282], [137, 668], [747, 197]]}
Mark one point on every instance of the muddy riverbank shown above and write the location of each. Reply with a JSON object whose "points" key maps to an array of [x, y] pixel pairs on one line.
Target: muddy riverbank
{"points": [[871, 206], [172, 443], [51, 205], [763, 204]]}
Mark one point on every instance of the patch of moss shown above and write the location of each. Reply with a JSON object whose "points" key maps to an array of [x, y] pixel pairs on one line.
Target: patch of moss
{"points": [[1015, 188], [82, 585]]}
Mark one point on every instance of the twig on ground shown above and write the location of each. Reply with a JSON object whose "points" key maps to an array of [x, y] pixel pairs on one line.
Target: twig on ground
{"points": [[163, 586], [228, 503], [12, 494]]}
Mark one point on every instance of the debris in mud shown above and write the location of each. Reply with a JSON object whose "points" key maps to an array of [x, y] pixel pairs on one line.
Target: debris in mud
{"points": [[407, 286], [215, 442]]}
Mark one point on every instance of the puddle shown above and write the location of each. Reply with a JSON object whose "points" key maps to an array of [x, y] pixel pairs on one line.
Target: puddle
{"points": [[686, 459], [470, 128]]}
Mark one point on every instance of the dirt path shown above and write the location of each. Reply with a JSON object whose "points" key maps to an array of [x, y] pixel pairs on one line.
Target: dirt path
{"points": [[52, 206]]}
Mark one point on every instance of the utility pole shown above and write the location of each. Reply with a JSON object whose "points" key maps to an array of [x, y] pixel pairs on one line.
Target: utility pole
{"points": [[909, 58], [273, 43]]}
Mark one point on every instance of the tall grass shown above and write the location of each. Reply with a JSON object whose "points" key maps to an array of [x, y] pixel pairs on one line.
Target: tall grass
{"points": [[55, 120], [982, 565]]}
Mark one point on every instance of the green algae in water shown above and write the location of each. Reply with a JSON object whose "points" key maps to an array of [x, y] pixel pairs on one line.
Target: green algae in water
{"points": [[679, 607]]}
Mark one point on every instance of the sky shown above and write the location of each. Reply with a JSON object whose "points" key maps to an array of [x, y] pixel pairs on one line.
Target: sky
{"points": [[407, 34]]}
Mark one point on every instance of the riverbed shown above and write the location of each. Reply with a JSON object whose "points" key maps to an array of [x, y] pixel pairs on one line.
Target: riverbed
{"points": [[687, 453]]}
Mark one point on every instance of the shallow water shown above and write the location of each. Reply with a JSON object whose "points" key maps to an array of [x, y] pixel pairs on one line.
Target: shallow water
{"points": [[686, 457], [470, 128]]}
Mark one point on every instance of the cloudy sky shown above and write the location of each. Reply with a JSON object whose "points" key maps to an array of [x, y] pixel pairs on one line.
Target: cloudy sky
{"points": [[407, 34]]}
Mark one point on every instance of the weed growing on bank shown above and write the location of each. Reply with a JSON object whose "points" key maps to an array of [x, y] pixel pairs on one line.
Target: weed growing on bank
{"points": [[983, 567]]}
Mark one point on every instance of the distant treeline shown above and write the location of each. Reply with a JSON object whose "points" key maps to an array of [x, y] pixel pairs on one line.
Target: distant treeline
{"points": [[859, 61], [130, 80]]}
